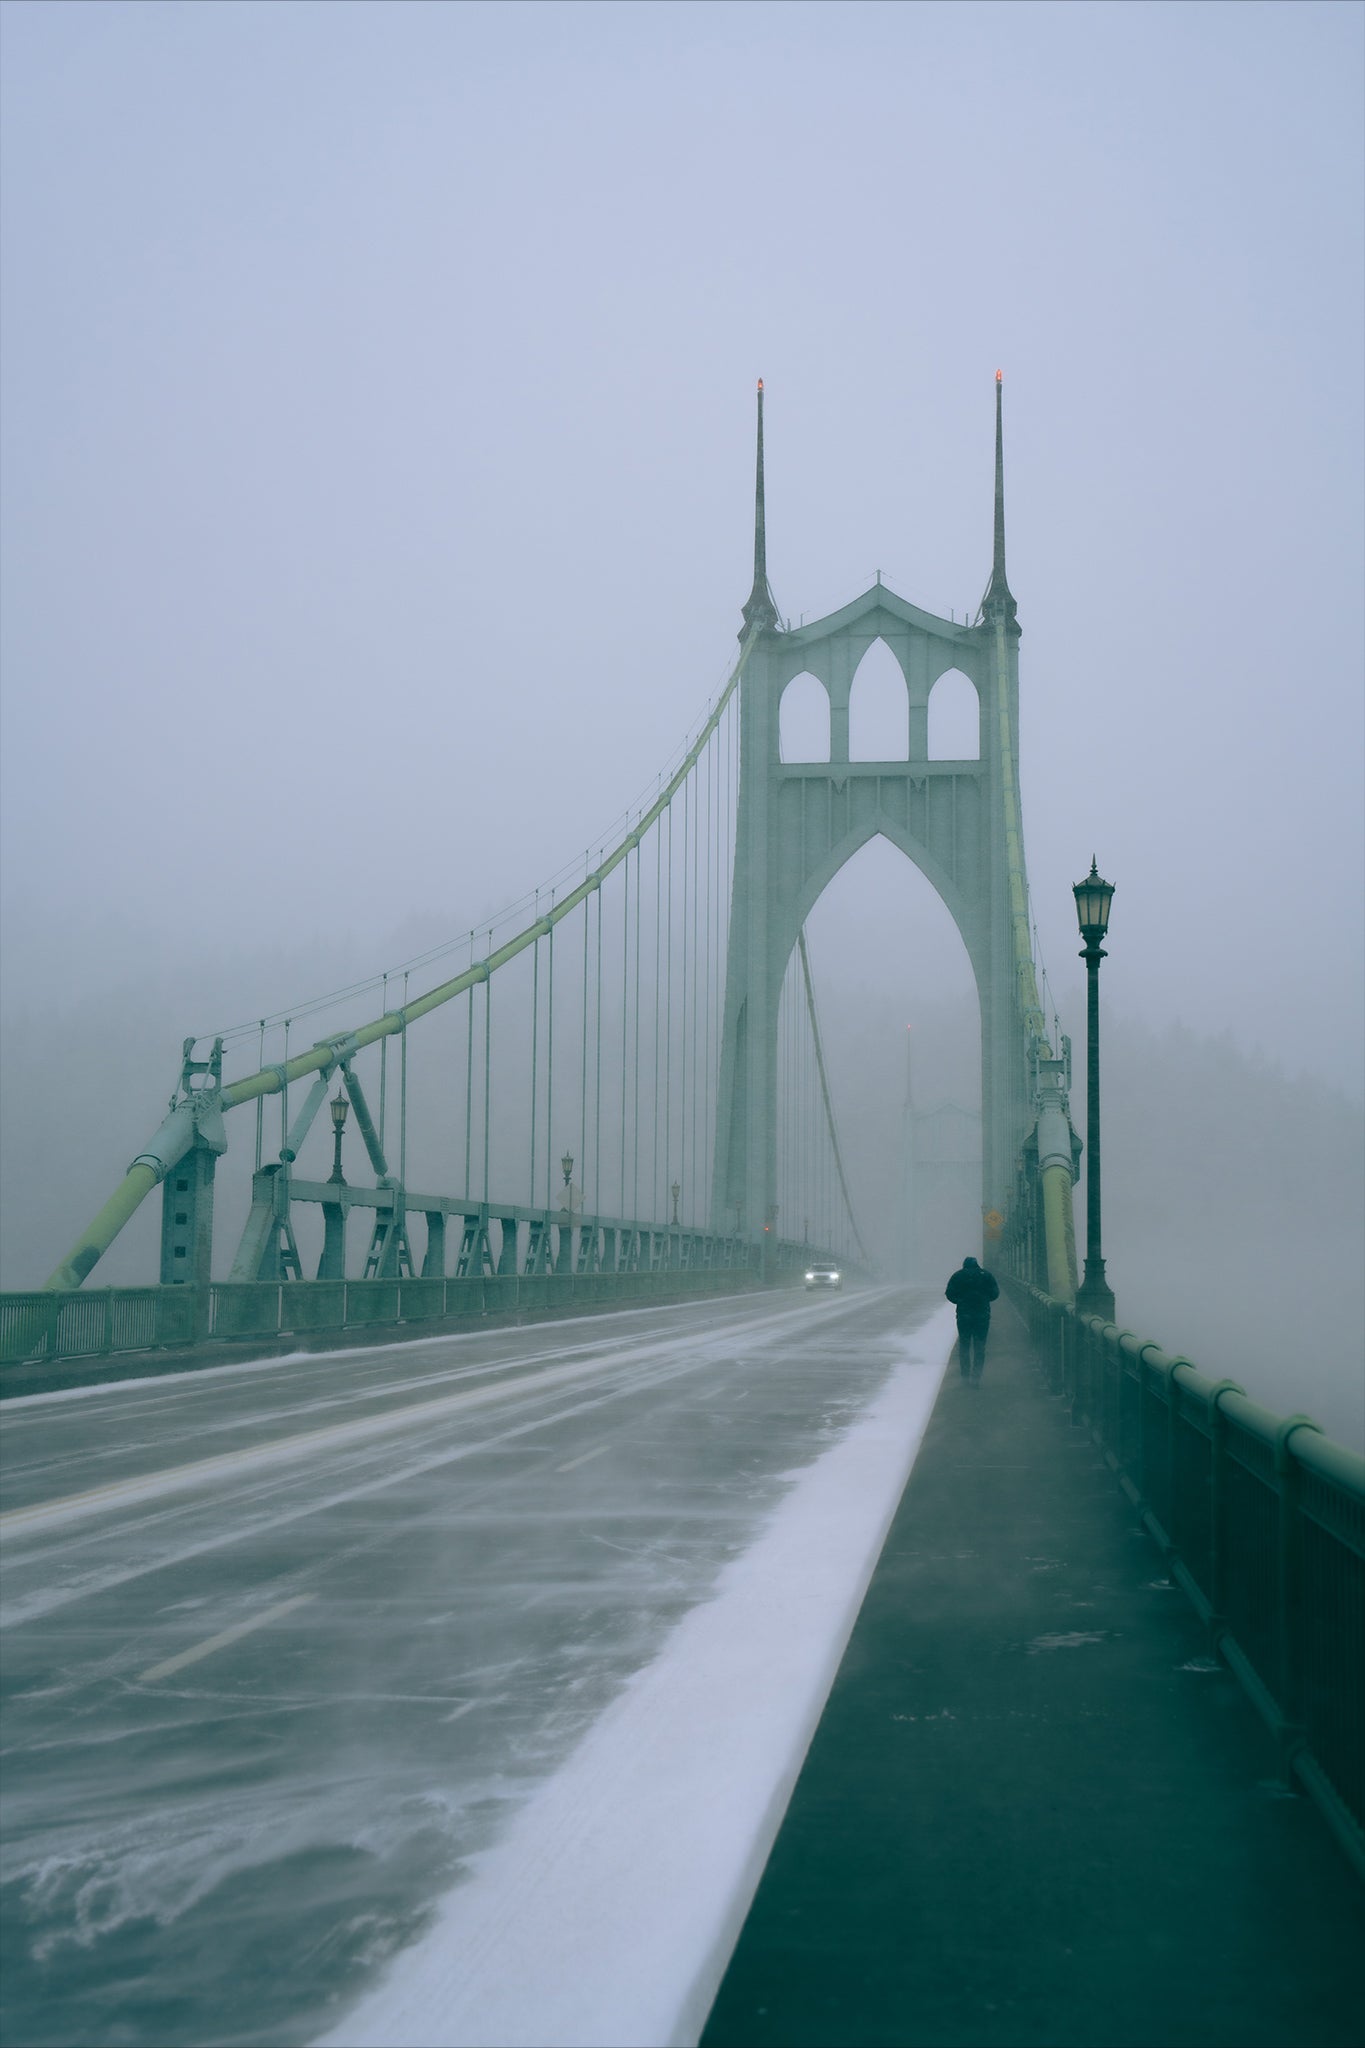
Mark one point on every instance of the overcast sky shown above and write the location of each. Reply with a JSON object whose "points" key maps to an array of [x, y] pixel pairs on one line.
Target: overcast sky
{"points": [[377, 452]]}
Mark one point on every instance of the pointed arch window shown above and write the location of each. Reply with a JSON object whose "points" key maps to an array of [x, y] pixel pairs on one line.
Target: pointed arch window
{"points": [[954, 718], [803, 720], [879, 708]]}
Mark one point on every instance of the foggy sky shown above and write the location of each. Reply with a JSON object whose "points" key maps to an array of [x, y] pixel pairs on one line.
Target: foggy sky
{"points": [[377, 464]]}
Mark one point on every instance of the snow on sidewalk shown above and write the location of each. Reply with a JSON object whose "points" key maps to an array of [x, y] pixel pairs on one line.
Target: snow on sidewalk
{"points": [[607, 1914]]}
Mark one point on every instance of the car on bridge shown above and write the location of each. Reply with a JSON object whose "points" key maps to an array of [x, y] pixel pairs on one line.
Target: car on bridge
{"points": [[821, 1274]]}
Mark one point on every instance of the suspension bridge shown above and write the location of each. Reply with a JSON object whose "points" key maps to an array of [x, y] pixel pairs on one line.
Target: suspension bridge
{"points": [[615, 1095]]}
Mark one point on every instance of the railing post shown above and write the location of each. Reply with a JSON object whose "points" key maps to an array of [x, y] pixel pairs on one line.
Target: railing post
{"points": [[1289, 1592], [1218, 1505], [1172, 1420], [1082, 1343], [1144, 1484]]}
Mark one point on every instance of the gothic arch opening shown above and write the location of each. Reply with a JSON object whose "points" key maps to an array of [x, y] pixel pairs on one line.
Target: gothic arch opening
{"points": [[886, 955], [954, 718], [879, 708], [803, 720]]}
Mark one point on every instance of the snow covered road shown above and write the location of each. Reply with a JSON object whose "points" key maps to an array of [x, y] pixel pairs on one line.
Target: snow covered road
{"points": [[303, 1658]]}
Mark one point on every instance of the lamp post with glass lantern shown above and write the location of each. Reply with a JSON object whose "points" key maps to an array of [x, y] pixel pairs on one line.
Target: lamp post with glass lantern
{"points": [[1093, 898], [332, 1265], [339, 1107]]}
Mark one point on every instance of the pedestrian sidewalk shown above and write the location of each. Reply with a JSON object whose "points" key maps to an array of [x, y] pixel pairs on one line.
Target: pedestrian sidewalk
{"points": [[1036, 1810]]}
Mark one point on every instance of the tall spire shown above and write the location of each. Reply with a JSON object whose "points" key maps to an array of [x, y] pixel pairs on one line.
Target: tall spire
{"points": [[998, 593], [760, 609]]}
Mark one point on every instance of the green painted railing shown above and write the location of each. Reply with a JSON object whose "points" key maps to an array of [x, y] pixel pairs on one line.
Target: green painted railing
{"points": [[39, 1326], [1262, 1519]]}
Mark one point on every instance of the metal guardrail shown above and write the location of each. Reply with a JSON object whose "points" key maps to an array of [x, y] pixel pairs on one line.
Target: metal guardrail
{"points": [[39, 1326], [1262, 1519]]}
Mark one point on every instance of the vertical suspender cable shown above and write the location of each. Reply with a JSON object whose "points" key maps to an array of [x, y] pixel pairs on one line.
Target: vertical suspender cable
{"points": [[535, 1055], [658, 984], [383, 1067], [696, 981], [487, 1070], [681, 1175], [260, 1101], [550, 1064], [284, 1098], [535, 1049], [403, 1096], [635, 1061], [469, 1086], [583, 1074], [625, 1022], [668, 1030], [597, 1077], [713, 926]]}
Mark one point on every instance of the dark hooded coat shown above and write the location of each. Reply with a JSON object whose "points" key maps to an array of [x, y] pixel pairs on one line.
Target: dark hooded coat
{"points": [[972, 1290]]}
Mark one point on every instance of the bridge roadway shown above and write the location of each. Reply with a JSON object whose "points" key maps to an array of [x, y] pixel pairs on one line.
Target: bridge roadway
{"points": [[288, 1644], [295, 1652]]}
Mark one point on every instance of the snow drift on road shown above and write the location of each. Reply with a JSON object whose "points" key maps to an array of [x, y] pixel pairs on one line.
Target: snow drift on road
{"points": [[606, 1916]]}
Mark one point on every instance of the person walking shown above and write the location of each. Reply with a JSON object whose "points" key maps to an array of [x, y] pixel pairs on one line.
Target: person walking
{"points": [[972, 1290]]}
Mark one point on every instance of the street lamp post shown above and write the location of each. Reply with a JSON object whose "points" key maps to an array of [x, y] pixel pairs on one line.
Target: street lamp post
{"points": [[1093, 898], [332, 1265], [566, 1168], [339, 1107], [675, 1191]]}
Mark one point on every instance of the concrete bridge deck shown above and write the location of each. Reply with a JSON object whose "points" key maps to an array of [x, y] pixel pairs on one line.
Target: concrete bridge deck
{"points": [[1036, 1810]]}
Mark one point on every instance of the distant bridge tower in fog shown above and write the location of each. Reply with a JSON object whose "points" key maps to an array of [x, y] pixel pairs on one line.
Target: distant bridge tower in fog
{"points": [[634, 1124], [958, 820]]}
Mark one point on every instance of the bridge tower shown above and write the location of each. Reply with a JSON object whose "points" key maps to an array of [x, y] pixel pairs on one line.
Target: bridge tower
{"points": [[798, 823]]}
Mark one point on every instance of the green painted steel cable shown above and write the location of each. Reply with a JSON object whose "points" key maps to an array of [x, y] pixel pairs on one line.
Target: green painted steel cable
{"points": [[681, 1175], [625, 1026], [384, 1077], [487, 1079], [403, 1098], [260, 1100], [535, 1050], [597, 1077], [658, 983], [549, 1068], [326, 1052], [698, 991], [583, 1065], [635, 1062], [284, 1100], [824, 1089], [469, 1095], [668, 1031]]}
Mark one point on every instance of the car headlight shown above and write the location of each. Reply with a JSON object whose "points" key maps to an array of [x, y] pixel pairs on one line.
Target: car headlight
{"points": [[810, 1276]]}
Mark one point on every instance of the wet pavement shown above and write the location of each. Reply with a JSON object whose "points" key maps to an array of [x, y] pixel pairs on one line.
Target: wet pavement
{"points": [[1036, 1812], [286, 1646]]}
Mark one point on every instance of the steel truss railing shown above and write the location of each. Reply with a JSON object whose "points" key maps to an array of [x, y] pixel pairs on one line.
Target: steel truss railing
{"points": [[38, 1326], [1262, 1520]]}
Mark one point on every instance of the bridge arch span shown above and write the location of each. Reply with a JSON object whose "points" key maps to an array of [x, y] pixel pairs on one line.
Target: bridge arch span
{"points": [[892, 973], [934, 873]]}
